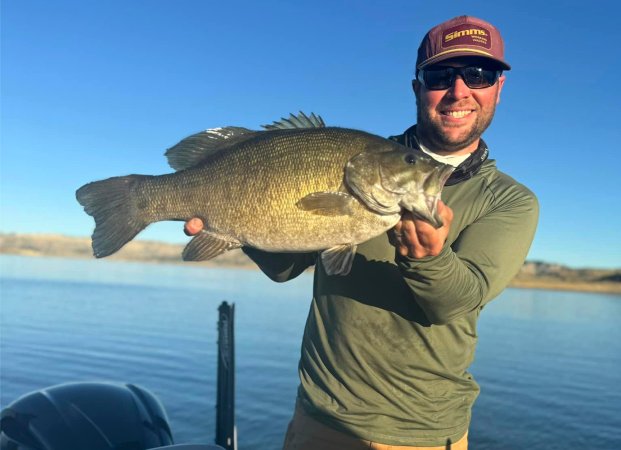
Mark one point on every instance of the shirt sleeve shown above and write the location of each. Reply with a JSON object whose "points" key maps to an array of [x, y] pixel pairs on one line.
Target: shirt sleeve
{"points": [[281, 267], [479, 264]]}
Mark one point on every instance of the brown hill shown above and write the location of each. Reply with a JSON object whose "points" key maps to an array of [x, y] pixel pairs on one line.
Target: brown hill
{"points": [[80, 247], [534, 274]]}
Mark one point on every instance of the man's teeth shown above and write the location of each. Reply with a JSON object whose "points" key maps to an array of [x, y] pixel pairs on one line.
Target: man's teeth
{"points": [[457, 114]]}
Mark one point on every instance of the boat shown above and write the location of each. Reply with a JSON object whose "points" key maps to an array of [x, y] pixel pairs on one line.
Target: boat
{"points": [[116, 416]]}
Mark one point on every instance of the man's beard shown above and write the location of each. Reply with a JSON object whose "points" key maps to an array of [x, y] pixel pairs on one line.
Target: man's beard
{"points": [[434, 137]]}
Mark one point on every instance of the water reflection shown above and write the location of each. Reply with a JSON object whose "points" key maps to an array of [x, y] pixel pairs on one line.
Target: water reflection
{"points": [[549, 363], [557, 306]]}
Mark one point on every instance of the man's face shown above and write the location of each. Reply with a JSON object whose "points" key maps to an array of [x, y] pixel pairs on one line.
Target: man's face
{"points": [[452, 120]]}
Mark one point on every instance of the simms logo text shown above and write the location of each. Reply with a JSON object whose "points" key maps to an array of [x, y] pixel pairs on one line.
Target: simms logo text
{"points": [[470, 32]]}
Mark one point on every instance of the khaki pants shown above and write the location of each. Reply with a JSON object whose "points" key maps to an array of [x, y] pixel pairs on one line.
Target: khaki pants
{"points": [[305, 433]]}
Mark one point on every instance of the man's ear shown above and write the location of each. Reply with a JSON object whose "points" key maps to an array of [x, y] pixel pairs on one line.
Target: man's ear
{"points": [[416, 87], [501, 82]]}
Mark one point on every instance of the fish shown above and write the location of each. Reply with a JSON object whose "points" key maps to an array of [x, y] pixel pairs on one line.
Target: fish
{"points": [[295, 186]]}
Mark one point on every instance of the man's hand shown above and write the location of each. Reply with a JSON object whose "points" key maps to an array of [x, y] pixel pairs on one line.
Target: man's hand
{"points": [[416, 238], [193, 226]]}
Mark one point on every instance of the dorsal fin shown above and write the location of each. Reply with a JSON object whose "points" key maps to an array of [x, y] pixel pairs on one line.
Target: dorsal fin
{"points": [[299, 121], [194, 149]]}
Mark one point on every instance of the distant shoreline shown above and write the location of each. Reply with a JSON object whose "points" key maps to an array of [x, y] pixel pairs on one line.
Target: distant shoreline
{"points": [[550, 285], [533, 275]]}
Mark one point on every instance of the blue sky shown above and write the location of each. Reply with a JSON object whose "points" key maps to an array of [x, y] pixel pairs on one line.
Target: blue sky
{"points": [[93, 89]]}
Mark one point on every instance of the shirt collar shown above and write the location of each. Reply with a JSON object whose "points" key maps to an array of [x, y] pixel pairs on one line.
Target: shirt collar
{"points": [[465, 170]]}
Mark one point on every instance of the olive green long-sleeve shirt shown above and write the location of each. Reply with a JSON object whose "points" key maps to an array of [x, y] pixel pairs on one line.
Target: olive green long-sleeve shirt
{"points": [[386, 348]]}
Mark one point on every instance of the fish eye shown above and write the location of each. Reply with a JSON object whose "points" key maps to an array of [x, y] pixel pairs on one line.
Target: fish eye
{"points": [[410, 158]]}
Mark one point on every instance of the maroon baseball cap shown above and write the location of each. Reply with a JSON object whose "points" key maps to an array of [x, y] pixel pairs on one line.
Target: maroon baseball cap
{"points": [[461, 36]]}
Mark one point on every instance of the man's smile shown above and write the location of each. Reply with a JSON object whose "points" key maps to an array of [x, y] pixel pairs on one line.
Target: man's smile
{"points": [[457, 113]]}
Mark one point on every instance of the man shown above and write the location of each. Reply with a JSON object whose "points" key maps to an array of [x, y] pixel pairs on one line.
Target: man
{"points": [[386, 348]]}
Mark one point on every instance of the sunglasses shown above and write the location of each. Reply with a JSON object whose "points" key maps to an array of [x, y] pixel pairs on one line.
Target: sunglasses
{"points": [[444, 77]]}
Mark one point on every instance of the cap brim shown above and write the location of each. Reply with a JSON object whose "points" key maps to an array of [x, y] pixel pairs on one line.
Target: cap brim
{"points": [[454, 53]]}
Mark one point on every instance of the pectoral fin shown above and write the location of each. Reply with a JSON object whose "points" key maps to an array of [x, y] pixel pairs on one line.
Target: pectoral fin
{"points": [[207, 245], [338, 260], [327, 203]]}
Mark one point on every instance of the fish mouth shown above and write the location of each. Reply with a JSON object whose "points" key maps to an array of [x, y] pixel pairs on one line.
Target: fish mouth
{"points": [[431, 192], [445, 173], [431, 215]]}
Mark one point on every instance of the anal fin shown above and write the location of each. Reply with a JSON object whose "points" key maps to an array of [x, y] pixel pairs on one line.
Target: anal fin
{"points": [[207, 245], [338, 260]]}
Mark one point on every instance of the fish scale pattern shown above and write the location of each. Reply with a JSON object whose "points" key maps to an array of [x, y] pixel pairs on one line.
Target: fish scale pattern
{"points": [[250, 191]]}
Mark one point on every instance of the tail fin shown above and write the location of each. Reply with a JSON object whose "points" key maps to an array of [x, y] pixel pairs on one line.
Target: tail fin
{"points": [[110, 203]]}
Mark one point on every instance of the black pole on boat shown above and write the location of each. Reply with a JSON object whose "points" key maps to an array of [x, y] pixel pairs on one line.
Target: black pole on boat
{"points": [[226, 432]]}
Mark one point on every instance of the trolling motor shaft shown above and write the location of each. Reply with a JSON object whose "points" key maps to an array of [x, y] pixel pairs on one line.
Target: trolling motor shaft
{"points": [[226, 431]]}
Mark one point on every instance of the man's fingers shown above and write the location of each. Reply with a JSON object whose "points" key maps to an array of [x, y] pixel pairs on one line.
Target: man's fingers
{"points": [[193, 226], [425, 233], [410, 237], [445, 212], [404, 235], [419, 238]]}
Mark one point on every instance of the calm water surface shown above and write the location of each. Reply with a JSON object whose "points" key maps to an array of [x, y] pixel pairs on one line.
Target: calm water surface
{"points": [[549, 363]]}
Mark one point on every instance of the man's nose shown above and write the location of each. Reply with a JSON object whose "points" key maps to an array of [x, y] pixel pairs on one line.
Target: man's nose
{"points": [[459, 89]]}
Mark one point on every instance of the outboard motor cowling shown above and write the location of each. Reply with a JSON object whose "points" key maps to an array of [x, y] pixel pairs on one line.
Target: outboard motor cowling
{"points": [[85, 416]]}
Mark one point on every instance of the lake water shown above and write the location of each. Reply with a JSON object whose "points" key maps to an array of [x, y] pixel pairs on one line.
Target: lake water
{"points": [[549, 363]]}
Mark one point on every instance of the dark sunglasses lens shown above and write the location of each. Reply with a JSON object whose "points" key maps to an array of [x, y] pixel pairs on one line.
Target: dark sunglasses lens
{"points": [[438, 79], [474, 77], [478, 78]]}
